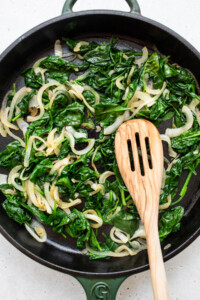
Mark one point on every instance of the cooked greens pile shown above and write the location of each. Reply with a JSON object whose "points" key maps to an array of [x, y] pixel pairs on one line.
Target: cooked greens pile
{"points": [[63, 172]]}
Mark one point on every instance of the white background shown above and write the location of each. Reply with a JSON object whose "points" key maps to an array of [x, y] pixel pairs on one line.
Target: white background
{"points": [[20, 277]]}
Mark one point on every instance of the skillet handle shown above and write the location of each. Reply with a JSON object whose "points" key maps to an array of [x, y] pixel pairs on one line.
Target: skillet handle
{"points": [[133, 4], [101, 288]]}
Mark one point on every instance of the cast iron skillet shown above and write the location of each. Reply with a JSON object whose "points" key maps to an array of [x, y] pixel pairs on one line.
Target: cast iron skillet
{"points": [[100, 278]]}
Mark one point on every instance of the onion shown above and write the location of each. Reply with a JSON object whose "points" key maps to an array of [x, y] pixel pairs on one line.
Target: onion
{"points": [[92, 160], [59, 163], [39, 100], [107, 195], [47, 194], [119, 120], [37, 231], [166, 138], [77, 91], [130, 75], [140, 232], [122, 237], [29, 146], [75, 133], [167, 204], [119, 84], [3, 179], [105, 175], [22, 125], [78, 45], [13, 175], [144, 57], [4, 113], [126, 93], [97, 97], [91, 214], [174, 132], [193, 106], [16, 99], [2, 129], [66, 205], [58, 48], [72, 144]]}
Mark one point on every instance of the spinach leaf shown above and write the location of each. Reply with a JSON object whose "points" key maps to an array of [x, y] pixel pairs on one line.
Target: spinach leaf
{"points": [[14, 210], [170, 221], [40, 169], [183, 142], [125, 221], [31, 78], [11, 156], [72, 115]]}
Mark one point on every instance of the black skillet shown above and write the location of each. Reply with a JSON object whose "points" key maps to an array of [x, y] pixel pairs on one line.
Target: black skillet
{"points": [[100, 278]]}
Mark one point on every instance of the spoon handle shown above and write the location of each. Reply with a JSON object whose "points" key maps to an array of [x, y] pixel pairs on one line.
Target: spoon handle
{"points": [[158, 274]]}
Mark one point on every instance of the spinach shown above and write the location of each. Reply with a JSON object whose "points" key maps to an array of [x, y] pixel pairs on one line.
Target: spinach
{"points": [[11, 156], [170, 221], [14, 210], [40, 169], [185, 141], [72, 115], [125, 221], [31, 78]]}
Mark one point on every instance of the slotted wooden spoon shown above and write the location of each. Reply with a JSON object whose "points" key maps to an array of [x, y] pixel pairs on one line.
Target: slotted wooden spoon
{"points": [[142, 175]]}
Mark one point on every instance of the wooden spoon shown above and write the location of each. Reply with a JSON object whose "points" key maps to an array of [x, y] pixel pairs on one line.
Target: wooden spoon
{"points": [[143, 176]]}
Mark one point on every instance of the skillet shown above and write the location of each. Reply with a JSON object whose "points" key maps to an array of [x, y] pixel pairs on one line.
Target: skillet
{"points": [[104, 275]]}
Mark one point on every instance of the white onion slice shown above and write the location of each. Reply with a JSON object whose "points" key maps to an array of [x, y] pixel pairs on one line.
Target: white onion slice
{"points": [[72, 144], [104, 176], [166, 138], [58, 51], [75, 133], [119, 236], [22, 125], [144, 57], [92, 215], [3, 179], [119, 84], [79, 44], [174, 132], [34, 227], [39, 100], [130, 75], [119, 120]]}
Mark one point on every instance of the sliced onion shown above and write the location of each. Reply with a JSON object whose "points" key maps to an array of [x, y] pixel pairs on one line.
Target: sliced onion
{"points": [[92, 215], [104, 176], [22, 125], [75, 133], [166, 138], [79, 44], [140, 232], [29, 147], [47, 195], [174, 132], [119, 84], [92, 160], [16, 99], [72, 144], [39, 100], [5, 112], [58, 51], [144, 57], [119, 236], [130, 75], [119, 120], [12, 176], [66, 205], [89, 88], [167, 204], [37, 231], [3, 179], [193, 106], [107, 195]]}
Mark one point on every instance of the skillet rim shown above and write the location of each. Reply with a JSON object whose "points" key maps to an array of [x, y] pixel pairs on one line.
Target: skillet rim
{"points": [[27, 34]]}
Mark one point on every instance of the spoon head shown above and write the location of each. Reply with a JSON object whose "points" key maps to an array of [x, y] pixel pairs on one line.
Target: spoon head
{"points": [[139, 154]]}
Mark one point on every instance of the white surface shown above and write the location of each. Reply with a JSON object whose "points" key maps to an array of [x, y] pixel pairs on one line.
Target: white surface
{"points": [[20, 277]]}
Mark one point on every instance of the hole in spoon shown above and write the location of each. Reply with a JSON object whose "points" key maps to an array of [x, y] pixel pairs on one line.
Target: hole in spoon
{"points": [[130, 155], [139, 151], [148, 153]]}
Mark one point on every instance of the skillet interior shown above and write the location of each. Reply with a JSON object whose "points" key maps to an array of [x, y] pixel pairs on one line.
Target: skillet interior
{"points": [[133, 32]]}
